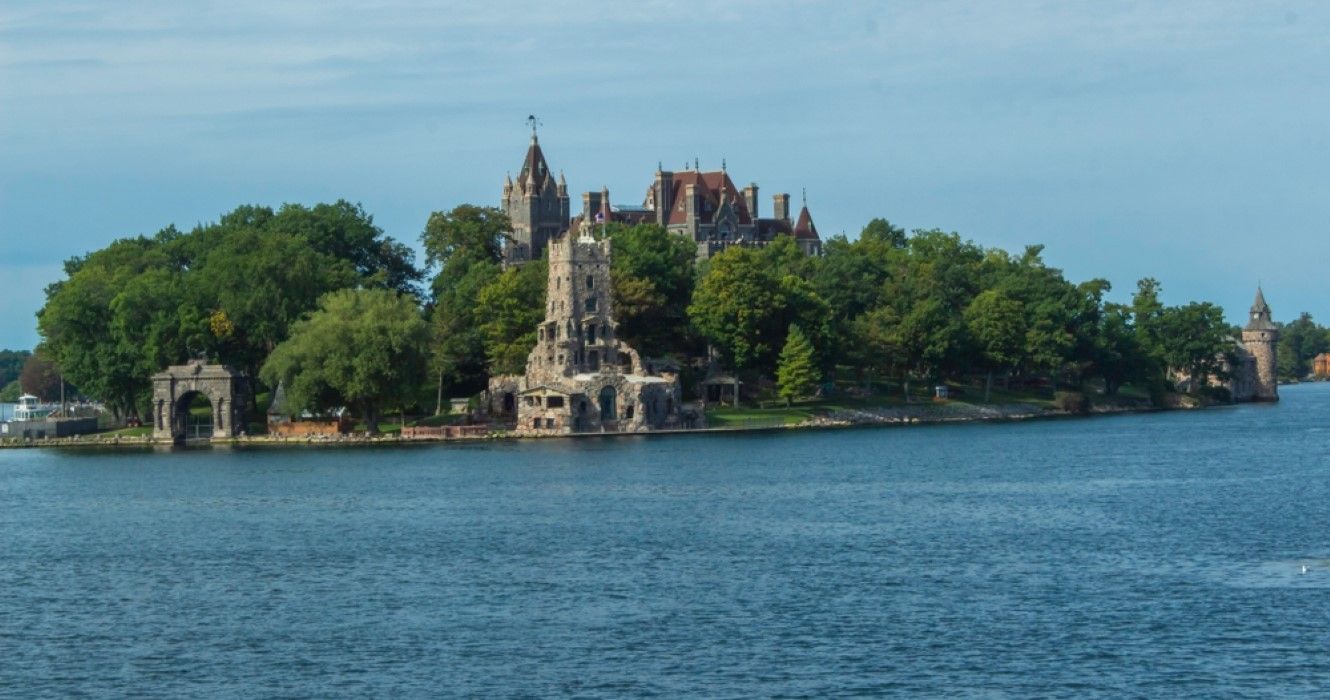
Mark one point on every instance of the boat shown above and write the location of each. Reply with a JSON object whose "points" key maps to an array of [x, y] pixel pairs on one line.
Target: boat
{"points": [[31, 408]]}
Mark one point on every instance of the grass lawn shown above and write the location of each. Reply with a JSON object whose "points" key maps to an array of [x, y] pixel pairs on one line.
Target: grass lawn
{"points": [[141, 431], [757, 417]]}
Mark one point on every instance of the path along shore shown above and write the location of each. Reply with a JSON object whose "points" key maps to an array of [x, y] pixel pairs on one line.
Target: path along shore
{"points": [[918, 414]]}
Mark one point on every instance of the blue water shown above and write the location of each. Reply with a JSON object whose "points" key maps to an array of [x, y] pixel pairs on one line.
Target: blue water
{"points": [[1146, 556]]}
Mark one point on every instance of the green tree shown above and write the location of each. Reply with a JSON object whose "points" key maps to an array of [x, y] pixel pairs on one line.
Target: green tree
{"points": [[877, 343], [10, 392], [40, 377], [1119, 358], [465, 244], [652, 276], [1299, 342], [996, 323], [1196, 341], [11, 363], [738, 307], [228, 290], [796, 375], [362, 347], [467, 231], [509, 309]]}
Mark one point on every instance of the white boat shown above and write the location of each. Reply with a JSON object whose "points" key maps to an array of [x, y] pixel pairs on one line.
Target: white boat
{"points": [[31, 408]]}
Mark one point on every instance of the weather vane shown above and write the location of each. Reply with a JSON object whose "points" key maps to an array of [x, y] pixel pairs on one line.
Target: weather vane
{"points": [[531, 119]]}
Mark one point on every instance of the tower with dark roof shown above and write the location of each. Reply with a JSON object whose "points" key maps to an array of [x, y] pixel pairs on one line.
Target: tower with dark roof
{"points": [[1260, 337], [537, 206]]}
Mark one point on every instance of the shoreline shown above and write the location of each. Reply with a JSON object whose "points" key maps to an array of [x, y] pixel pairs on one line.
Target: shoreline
{"points": [[892, 417]]}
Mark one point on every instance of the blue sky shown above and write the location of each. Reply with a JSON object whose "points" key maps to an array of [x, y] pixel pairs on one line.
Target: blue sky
{"points": [[1185, 141]]}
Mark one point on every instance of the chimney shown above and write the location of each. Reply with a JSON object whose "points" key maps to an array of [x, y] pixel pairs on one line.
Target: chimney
{"points": [[782, 206], [590, 205], [690, 196], [664, 192], [750, 199]]}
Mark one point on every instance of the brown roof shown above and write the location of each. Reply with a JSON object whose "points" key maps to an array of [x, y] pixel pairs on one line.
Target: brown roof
{"points": [[804, 228], [534, 164], [709, 187], [767, 229]]}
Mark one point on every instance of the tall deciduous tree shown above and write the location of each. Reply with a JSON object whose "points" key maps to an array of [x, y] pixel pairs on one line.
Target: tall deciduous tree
{"points": [[362, 348], [11, 363], [996, 323], [1195, 340], [40, 377], [509, 309], [466, 245], [652, 274]]}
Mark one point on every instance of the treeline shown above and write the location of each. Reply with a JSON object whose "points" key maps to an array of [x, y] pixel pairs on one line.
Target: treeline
{"points": [[229, 291], [1299, 343], [320, 300]]}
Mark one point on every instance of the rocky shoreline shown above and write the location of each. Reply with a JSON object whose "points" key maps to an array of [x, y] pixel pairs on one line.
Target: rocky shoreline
{"points": [[919, 414]]}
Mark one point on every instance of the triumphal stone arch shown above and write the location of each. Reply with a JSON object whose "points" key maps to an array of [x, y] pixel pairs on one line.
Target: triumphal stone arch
{"points": [[174, 390]]}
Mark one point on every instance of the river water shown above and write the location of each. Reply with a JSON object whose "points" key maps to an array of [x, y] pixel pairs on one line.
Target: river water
{"points": [[1146, 555]]}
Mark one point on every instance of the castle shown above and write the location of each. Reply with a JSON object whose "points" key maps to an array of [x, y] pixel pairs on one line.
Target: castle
{"points": [[706, 207], [579, 377], [1253, 372], [1256, 378]]}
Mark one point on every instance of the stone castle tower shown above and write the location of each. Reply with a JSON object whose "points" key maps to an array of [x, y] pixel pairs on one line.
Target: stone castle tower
{"points": [[578, 331], [579, 376], [536, 205], [1260, 337]]}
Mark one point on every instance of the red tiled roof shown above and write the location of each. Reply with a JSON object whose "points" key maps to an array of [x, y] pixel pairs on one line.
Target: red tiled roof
{"points": [[805, 228], [709, 187]]}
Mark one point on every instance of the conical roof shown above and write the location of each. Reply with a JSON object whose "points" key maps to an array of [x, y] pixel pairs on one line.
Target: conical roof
{"points": [[804, 227], [534, 168], [1260, 319]]}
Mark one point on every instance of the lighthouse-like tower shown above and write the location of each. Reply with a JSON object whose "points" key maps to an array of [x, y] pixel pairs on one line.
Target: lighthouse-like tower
{"points": [[1260, 337]]}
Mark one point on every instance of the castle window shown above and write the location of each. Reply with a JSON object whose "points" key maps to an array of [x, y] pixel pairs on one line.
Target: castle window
{"points": [[554, 402], [591, 333], [591, 305], [628, 411], [549, 423], [590, 282], [535, 423], [593, 360]]}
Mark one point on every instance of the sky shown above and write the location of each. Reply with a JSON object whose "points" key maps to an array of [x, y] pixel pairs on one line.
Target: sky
{"points": [[1186, 141]]}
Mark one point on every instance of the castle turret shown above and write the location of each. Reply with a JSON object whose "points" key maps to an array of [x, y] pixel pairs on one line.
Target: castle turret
{"points": [[577, 335], [1260, 337], [536, 206]]}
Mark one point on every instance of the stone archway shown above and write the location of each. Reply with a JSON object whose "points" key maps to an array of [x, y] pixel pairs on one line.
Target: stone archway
{"points": [[173, 390]]}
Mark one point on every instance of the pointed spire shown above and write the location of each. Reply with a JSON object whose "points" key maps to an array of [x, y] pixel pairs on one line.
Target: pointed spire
{"points": [[1260, 319], [803, 196], [722, 165]]}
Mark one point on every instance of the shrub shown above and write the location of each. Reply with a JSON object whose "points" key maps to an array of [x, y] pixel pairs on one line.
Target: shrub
{"points": [[1071, 402]]}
